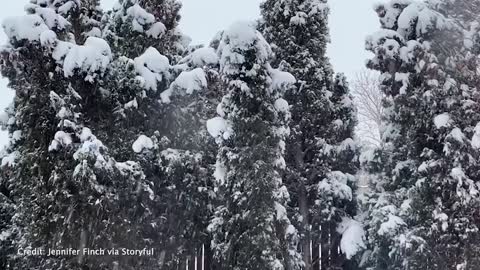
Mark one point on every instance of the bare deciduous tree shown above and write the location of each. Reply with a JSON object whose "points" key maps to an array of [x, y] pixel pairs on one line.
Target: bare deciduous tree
{"points": [[368, 98]]}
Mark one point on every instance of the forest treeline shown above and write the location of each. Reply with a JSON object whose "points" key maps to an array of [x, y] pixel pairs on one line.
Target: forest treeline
{"points": [[241, 154]]}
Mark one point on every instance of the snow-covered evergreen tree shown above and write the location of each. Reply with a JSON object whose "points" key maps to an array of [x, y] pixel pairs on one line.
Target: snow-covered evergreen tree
{"points": [[66, 189], [150, 23], [320, 151], [251, 229], [424, 215], [160, 102]]}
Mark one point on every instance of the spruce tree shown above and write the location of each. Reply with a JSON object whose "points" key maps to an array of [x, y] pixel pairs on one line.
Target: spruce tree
{"points": [[320, 151], [424, 213], [251, 229]]}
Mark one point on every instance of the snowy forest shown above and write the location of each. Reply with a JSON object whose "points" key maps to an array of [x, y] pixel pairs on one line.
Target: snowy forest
{"points": [[248, 153]]}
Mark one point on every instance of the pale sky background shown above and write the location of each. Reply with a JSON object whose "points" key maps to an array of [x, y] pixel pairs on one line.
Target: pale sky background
{"points": [[350, 22]]}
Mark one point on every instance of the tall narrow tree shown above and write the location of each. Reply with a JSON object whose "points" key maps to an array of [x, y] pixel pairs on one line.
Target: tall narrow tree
{"points": [[424, 215], [320, 150], [251, 228]]}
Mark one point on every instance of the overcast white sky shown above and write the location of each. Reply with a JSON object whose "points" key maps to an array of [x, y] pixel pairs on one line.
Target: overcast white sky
{"points": [[350, 22]]}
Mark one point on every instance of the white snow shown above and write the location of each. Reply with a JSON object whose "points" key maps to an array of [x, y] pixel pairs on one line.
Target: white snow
{"points": [[391, 225], [152, 67], [281, 80], [171, 154], [218, 127], [61, 139], [9, 160], [16, 136], [281, 211], [441, 120], [28, 27], [48, 38], [140, 17], [353, 237], [91, 58], [131, 104], [185, 84], [157, 30], [127, 167], [457, 134], [476, 137], [203, 56], [220, 172], [336, 183], [281, 105], [239, 38], [67, 7], [86, 135], [143, 142], [51, 18], [4, 235], [404, 79], [300, 18]]}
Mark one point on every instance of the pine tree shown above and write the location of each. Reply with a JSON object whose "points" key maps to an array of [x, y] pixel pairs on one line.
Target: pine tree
{"points": [[424, 215], [320, 150], [250, 228]]}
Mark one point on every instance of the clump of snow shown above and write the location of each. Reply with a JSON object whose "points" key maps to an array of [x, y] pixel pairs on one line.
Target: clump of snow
{"points": [[9, 160], [476, 137], [353, 237], [442, 218], [51, 18], [127, 168], [131, 104], [457, 135], [152, 67], [86, 134], [143, 142], [90, 148], [202, 57], [185, 84], [281, 211], [16, 136], [48, 38], [239, 38], [67, 7], [220, 172], [157, 30], [28, 27], [404, 79], [61, 139], [281, 105], [5, 235], [91, 58], [171, 154], [442, 120], [336, 183], [140, 17], [300, 18], [281, 80], [391, 225], [219, 128]]}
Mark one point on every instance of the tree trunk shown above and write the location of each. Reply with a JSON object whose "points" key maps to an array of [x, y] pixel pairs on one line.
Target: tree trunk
{"points": [[200, 258], [306, 238], [335, 256], [315, 255], [209, 260], [325, 246]]}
